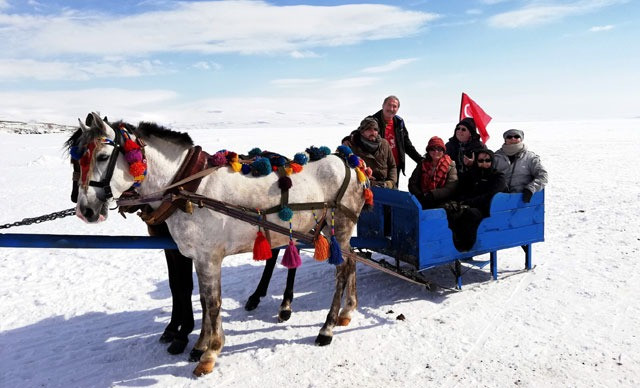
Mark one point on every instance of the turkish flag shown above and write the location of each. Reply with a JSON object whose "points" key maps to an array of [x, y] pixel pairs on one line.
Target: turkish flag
{"points": [[469, 108]]}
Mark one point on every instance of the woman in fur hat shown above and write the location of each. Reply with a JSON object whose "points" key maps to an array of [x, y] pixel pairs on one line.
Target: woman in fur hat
{"points": [[435, 178], [464, 143]]}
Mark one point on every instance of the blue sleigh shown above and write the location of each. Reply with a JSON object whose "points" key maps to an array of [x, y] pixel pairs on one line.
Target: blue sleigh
{"points": [[422, 238]]}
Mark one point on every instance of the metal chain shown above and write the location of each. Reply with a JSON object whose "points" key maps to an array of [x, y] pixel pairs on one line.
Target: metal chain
{"points": [[37, 220]]}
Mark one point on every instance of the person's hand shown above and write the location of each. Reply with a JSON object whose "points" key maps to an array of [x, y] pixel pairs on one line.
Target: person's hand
{"points": [[347, 142], [389, 184], [469, 161], [526, 195]]}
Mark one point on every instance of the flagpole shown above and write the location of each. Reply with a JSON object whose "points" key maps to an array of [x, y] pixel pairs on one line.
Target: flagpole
{"points": [[461, 100]]}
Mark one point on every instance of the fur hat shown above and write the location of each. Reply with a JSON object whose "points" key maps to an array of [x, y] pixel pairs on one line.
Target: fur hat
{"points": [[513, 132], [435, 142]]}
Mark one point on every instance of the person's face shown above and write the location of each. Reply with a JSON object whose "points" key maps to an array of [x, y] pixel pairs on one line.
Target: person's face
{"points": [[462, 134], [483, 160], [371, 133], [512, 139], [390, 108], [436, 153]]}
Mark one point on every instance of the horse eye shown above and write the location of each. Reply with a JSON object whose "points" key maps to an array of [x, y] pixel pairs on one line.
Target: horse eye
{"points": [[102, 158]]}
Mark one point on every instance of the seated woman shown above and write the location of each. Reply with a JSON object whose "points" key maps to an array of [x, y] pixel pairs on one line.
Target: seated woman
{"points": [[476, 189], [435, 178]]}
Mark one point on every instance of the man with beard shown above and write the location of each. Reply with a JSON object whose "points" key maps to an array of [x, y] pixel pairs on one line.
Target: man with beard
{"points": [[376, 152]]}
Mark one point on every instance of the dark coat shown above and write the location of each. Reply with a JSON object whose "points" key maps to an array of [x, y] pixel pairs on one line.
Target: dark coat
{"points": [[381, 162], [457, 150], [477, 186], [403, 143], [437, 197]]}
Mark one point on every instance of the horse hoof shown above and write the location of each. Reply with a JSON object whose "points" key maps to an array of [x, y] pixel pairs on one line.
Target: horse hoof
{"points": [[177, 346], [323, 340], [343, 321], [284, 315], [203, 368], [194, 355], [252, 303], [167, 336]]}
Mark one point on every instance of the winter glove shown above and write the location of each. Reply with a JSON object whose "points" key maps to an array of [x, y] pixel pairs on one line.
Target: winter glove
{"points": [[526, 195]]}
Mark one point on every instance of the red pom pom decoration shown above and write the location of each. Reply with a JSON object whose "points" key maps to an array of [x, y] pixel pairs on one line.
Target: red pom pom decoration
{"points": [[137, 168], [130, 145]]}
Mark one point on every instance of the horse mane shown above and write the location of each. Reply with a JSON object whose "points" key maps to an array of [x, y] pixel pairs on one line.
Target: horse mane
{"points": [[147, 129]]}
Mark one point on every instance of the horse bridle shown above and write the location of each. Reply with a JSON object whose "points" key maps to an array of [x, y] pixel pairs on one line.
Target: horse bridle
{"points": [[105, 182]]}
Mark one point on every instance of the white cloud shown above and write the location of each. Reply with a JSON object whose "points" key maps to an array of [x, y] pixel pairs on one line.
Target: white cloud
{"points": [[303, 54], [537, 14], [601, 28], [14, 69], [204, 65], [246, 27], [355, 82], [391, 66]]}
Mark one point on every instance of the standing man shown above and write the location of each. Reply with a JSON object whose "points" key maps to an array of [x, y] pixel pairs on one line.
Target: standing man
{"points": [[522, 168], [393, 130]]}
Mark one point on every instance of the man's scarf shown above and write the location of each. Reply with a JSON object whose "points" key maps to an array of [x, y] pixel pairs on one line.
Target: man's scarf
{"points": [[439, 177], [367, 145], [512, 149]]}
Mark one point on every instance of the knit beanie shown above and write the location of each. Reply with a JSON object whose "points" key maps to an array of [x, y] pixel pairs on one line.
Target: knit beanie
{"points": [[368, 122], [435, 142], [513, 132], [469, 123]]}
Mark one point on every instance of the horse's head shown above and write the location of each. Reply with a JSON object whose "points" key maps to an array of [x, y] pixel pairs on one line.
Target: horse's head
{"points": [[104, 172]]}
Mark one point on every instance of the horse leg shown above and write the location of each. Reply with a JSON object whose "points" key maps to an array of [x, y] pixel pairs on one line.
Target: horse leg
{"points": [[285, 307], [181, 284], [261, 291], [345, 279], [211, 338]]}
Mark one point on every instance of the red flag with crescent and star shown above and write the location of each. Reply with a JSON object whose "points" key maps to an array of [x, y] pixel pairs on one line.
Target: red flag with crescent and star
{"points": [[469, 108]]}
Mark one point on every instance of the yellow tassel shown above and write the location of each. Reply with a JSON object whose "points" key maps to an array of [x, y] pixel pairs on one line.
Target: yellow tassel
{"points": [[236, 166], [321, 246], [361, 177]]}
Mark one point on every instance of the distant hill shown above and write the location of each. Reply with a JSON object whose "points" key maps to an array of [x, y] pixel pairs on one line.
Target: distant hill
{"points": [[33, 127]]}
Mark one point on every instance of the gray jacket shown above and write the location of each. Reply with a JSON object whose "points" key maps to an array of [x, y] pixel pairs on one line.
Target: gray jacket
{"points": [[526, 171]]}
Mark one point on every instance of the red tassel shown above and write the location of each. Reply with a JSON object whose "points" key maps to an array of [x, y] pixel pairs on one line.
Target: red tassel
{"points": [[368, 197], [321, 248], [261, 248], [291, 258]]}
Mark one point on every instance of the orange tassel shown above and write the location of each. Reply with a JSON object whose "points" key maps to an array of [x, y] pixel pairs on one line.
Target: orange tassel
{"points": [[368, 197], [321, 246], [261, 248]]}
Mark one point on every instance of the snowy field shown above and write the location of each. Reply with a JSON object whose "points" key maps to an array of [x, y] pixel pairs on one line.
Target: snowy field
{"points": [[92, 318]]}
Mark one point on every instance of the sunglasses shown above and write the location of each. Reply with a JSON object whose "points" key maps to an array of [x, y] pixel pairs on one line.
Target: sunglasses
{"points": [[437, 149], [513, 136], [484, 160], [463, 129]]}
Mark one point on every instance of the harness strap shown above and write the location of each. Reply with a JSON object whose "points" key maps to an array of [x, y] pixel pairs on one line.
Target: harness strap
{"points": [[195, 161]]}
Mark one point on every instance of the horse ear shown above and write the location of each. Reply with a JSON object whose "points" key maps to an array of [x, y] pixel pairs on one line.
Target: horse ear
{"points": [[89, 120], [105, 119], [83, 127]]}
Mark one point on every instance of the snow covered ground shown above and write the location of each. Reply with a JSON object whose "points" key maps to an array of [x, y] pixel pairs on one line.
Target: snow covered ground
{"points": [[92, 318]]}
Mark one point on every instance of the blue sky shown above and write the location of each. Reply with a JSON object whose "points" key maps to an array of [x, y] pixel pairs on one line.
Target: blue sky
{"points": [[293, 62]]}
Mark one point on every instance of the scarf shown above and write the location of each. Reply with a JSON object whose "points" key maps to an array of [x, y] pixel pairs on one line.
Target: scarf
{"points": [[512, 149], [432, 179], [366, 145]]}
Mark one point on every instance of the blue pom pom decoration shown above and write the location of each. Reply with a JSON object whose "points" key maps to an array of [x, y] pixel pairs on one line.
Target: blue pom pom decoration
{"points": [[278, 160], [246, 169], [76, 152], [261, 166], [301, 158], [314, 153], [344, 150], [325, 150], [285, 214], [353, 160], [255, 152]]}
